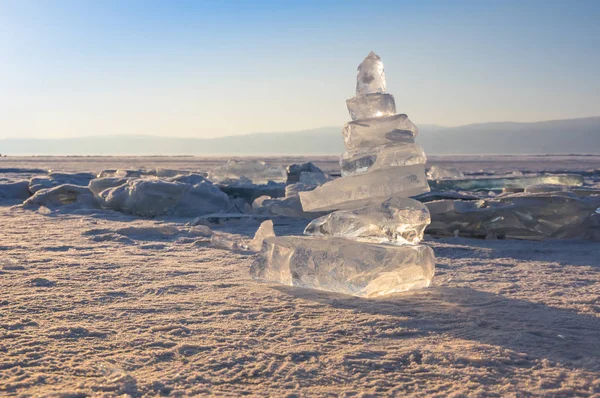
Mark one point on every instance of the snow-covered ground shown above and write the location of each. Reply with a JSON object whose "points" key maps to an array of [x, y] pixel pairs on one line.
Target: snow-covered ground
{"points": [[97, 303]]}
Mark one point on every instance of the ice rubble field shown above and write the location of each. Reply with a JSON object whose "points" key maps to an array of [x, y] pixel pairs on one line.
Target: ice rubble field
{"points": [[120, 288]]}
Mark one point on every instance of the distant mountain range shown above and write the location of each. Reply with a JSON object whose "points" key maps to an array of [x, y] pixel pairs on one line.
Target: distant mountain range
{"points": [[556, 136]]}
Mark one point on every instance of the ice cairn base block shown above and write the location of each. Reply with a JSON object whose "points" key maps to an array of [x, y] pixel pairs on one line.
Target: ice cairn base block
{"points": [[344, 266]]}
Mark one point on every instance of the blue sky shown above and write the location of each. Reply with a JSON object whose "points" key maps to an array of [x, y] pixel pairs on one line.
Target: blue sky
{"points": [[213, 68]]}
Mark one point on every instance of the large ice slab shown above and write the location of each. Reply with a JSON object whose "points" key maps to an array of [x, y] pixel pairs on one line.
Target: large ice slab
{"points": [[497, 183], [517, 216], [54, 179], [397, 220], [371, 75], [344, 266], [252, 171], [15, 190], [385, 156], [150, 198], [355, 191], [579, 191], [369, 133], [62, 195], [371, 105]]}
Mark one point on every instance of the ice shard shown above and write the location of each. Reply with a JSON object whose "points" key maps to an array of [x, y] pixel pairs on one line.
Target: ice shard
{"points": [[397, 220], [368, 133], [344, 266], [382, 157], [361, 189], [264, 231], [371, 105], [371, 75]]}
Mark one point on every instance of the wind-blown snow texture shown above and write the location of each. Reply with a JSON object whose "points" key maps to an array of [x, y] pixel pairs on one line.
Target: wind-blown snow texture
{"points": [[104, 304]]}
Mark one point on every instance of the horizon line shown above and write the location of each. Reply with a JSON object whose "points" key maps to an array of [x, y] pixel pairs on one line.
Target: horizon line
{"points": [[280, 132]]}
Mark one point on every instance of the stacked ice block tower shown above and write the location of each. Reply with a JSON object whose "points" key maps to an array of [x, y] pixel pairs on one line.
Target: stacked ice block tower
{"points": [[369, 244]]}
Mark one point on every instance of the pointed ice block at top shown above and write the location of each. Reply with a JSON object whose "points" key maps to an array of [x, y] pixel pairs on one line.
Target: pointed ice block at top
{"points": [[371, 77]]}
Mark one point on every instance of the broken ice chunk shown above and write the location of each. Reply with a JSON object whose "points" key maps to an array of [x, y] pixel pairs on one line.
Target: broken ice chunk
{"points": [[385, 156], [374, 132], [371, 105], [264, 231], [162, 173], [120, 173], [397, 220], [55, 179], [288, 207], [200, 230], [189, 178], [310, 178], [344, 266], [98, 185], [201, 198], [257, 172], [65, 194], [371, 75], [249, 192], [15, 190], [516, 216], [497, 183], [258, 203], [294, 170], [436, 172], [150, 198], [294, 189], [358, 190]]}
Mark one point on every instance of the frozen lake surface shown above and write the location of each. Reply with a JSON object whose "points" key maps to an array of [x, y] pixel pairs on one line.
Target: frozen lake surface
{"points": [[99, 303]]}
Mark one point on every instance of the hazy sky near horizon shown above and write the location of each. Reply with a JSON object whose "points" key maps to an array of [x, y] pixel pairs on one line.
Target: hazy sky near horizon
{"points": [[213, 68]]}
